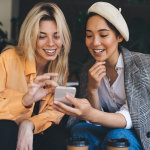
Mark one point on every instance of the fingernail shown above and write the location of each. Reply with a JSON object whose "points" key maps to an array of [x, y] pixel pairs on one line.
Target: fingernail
{"points": [[67, 96], [55, 102], [76, 99]]}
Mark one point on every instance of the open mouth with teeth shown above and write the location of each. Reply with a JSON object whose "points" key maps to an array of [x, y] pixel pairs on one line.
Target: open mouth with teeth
{"points": [[98, 51], [50, 51]]}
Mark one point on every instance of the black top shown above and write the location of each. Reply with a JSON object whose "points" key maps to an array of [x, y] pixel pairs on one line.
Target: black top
{"points": [[36, 108]]}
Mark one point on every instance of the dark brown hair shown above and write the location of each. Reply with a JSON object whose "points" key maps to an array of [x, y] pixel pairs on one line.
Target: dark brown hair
{"points": [[108, 23], [111, 26]]}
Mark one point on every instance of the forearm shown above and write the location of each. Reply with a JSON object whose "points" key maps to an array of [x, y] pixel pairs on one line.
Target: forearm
{"points": [[93, 98], [110, 120], [12, 108], [45, 119]]}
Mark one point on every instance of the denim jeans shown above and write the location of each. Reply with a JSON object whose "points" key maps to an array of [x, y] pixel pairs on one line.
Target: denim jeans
{"points": [[98, 135]]}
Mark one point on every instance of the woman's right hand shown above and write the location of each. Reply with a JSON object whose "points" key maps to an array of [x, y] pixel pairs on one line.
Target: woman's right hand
{"points": [[95, 74], [36, 91], [82, 108]]}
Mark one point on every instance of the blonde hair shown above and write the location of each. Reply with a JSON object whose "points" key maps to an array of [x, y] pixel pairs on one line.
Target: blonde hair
{"points": [[29, 33]]}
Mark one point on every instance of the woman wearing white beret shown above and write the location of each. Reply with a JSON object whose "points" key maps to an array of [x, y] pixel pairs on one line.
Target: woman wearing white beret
{"points": [[116, 84]]}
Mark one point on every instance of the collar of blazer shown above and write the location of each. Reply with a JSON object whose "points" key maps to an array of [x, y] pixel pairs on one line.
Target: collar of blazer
{"points": [[129, 62]]}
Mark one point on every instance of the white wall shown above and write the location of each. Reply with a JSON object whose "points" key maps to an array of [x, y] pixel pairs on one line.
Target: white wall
{"points": [[5, 15]]}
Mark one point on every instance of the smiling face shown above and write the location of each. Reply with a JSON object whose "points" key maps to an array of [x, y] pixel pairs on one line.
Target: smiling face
{"points": [[101, 40], [48, 43]]}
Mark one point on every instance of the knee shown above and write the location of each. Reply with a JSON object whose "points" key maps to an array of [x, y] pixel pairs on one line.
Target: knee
{"points": [[8, 134], [8, 127], [79, 130], [118, 133], [121, 133], [124, 133]]}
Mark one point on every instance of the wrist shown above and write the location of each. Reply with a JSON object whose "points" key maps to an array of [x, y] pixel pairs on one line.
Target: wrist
{"points": [[91, 90], [93, 113], [25, 102], [28, 123], [31, 125]]}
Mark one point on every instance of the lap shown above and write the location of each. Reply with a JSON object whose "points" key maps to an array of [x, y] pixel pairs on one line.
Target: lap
{"points": [[123, 133], [86, 128], [95, 134], [8, 127], [98, 135], [8, 134], [53, 138]]}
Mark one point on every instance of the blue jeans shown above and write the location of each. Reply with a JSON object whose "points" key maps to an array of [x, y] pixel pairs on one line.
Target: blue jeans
{"points": [[98, 135]]}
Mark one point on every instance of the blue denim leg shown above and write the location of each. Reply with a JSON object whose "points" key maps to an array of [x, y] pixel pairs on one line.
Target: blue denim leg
{"points": [[123, 133], [95, 134]]}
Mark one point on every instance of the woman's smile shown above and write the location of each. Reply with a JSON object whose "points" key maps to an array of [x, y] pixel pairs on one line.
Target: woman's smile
{"points": [[98, 51], [50, 52]]}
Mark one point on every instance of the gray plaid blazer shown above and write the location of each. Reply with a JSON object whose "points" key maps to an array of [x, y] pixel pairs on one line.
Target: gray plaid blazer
{"points": [[137, 88]]}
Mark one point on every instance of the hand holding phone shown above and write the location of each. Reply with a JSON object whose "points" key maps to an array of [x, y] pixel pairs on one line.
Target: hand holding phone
{"points": [[60, 93]]}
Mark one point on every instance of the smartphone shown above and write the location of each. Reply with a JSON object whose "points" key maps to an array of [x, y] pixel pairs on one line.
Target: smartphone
{"points": [[61, 91]]}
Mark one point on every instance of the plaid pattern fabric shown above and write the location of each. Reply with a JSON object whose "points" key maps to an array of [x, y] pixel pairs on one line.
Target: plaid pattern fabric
{"points": [[137, 88]]}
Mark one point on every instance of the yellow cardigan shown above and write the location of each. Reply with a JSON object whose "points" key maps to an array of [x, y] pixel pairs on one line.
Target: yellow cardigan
{"points": [[15, 74]]}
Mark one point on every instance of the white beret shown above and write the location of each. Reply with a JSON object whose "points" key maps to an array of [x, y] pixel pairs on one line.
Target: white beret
{"points": [[113, 15]]}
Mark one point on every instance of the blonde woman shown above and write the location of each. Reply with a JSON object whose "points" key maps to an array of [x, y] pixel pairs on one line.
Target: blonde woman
{"points": [[29, 74]]}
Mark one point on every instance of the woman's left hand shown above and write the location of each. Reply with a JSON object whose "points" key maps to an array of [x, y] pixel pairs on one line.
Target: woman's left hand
{"points": [[82, 110], [25, 135]]}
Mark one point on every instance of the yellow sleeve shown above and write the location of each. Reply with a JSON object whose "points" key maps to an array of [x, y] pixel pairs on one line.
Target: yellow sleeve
{"points": [[49, 116], [11, 106], [45, 119]]}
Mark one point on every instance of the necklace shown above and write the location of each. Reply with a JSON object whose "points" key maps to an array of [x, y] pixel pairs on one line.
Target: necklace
{"points": [[108, 77], [112, 75]]}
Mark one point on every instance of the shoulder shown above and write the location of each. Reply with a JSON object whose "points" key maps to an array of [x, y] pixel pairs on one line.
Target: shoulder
{"points": [[142, 60], [141, 56], [9, 54], [10, 58], [139, 59]]}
